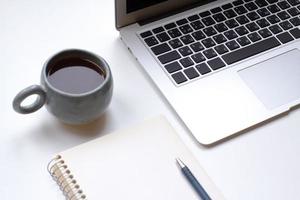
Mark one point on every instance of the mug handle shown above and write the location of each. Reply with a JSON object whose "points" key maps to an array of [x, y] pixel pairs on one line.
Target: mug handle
{"points": [[23, 94]]}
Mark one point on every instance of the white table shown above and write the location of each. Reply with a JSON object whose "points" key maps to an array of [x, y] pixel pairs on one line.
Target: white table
{"points": [[260, 164]]}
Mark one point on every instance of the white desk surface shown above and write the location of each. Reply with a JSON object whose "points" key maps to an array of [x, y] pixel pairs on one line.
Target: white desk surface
{"points": [[260, 164]]}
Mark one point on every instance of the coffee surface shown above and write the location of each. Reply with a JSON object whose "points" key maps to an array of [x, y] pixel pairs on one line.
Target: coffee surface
{"points": [[75, 75]]}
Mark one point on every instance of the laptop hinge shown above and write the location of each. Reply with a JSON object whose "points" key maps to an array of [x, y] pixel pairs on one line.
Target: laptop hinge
{"points": [[169, 13]]}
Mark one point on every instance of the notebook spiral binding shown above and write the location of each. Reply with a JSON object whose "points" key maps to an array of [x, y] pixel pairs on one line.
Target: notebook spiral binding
{"points": [[59, 171]]}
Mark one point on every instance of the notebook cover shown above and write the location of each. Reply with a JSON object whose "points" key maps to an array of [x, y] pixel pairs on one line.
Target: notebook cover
{"points": [[136, 163]]}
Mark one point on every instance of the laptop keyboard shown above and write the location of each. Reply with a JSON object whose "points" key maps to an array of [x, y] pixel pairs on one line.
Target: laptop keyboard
{"points": [[193, 47]]}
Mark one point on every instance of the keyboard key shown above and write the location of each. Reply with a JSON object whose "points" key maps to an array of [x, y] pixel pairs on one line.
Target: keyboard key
{"points": [[196, 47], [295, 32], [173, 67], [186, 29], [272, 1], [181, 22], [283, 15], [219, 38], [227, 6], [168, 57], [252, 26], [275, 29], [273, 8], [262, 23], [232, 45], [185, 51], [151, 41], [295, 21], [158, 30], [216, 10], [273, 19], [293, 11], [187, 39], [251, 6], [230, 13], [174, 33], [294, 2], [221, 49], [198, 57], [286, 25], [261, 3], [240, 10], [232, 23], [241, 30], [216, 63], [191, 73], [209, 53], [230, 34], [209, 31], [162, 37], [170, 25], [285, 37], [203, 68], [254, 37], [265, 33], [175, 43], [186, 62], [250, 50], [204, 14], [243, 41], [193, 18], [242, 19], [179, 77], [221, 27], [219, 17], [208, 42], [146, 34], [253, 16], [197, 25], [237, 2], [160, 49], [208, 21], [198, 35], [263, 12], [283, 5]]}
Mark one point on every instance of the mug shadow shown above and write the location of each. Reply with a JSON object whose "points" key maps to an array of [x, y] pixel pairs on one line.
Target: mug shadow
{"points": [[89, 130], [53, 135]]}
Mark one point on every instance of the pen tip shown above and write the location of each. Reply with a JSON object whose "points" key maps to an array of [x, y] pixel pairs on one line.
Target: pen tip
{"points": [[180, 163]]}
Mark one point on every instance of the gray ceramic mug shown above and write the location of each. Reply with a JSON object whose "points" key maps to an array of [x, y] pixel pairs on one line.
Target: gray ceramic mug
{"points": [[71, 108]]}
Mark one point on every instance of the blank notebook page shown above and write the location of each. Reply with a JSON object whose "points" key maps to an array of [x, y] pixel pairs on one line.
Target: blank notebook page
{"points": [[136, 164]]}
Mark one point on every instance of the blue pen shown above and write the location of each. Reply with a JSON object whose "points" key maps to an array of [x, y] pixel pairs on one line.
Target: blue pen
{"points": [[192, 180]]}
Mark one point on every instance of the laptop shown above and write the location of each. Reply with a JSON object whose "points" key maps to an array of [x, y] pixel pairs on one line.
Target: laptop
{"points": [[223, 66]]}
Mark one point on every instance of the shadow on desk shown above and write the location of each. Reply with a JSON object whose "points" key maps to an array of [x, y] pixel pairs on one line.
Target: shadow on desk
{"points": [[250, 129]]}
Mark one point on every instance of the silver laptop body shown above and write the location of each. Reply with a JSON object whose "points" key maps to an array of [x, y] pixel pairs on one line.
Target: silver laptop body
{"points": [[218, 87]]}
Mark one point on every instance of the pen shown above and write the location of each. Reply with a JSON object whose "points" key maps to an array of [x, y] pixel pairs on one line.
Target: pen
{"points": [[192, 180]]}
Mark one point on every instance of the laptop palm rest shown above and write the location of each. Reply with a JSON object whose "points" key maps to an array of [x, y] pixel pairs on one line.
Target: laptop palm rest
{"points": [[275, 81]]}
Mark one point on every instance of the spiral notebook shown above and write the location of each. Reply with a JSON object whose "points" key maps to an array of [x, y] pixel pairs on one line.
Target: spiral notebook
{"points": [[135, 163]]}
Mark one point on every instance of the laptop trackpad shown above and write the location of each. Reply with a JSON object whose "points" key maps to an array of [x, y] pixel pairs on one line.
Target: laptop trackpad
{"points": [[276, 81]]}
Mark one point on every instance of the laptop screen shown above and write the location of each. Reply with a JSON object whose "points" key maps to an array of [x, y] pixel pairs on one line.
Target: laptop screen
{"points": [[134, 5], [132, 11]]}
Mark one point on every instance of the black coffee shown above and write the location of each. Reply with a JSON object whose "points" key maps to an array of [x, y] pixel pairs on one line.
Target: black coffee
{"points": [[75, 75]]}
